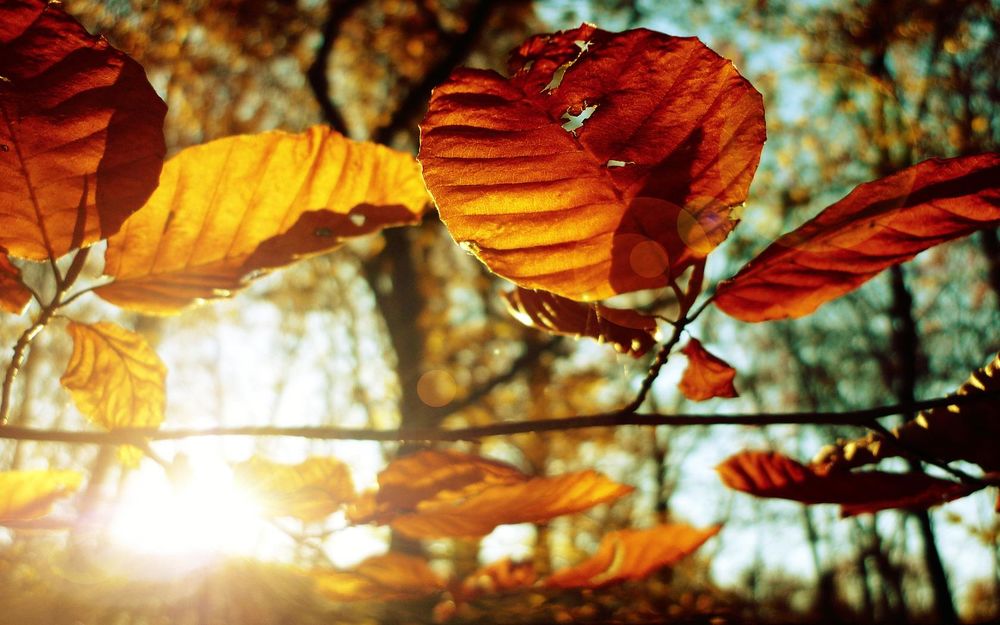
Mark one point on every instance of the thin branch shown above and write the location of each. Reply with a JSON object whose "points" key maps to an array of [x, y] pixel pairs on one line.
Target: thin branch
{"points": [[654, 369], [17, 360], [861, 418], [317, 73]]}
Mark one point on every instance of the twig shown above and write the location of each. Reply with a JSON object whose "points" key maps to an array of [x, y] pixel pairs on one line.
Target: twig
{"points": [[17, 360], [318, 81]]}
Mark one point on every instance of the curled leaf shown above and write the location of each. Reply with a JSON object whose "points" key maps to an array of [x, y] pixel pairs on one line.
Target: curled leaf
{"points": [[629, 331], [310, 490], [707, 375], [878, 224], [242, 205], [27, 495], [81, 133], [606, 163], [389, 577], [633, 554], [114, 376], [14, 296]]}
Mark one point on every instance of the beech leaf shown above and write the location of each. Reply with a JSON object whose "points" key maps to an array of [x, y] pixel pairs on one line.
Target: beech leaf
{"points": [[310, 490], [501, 576], [606, 163], [27, 495], [629, 331], [242, 205], [877, 225], [81, 133], [706, 375], [114, 376], [388, 577], [14, 295], [633, 554]]}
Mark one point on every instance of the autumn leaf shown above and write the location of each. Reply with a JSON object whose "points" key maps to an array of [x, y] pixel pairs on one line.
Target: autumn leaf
{"points": [[501, 576], [670, 138], [768, 474], [707, 375], [633, 554], [81, 133], [114, 376], [310, 490], [27, 495], [388, 577], [463, 495], [630, 332], [239, 206], [14, 295], [879, 224]]}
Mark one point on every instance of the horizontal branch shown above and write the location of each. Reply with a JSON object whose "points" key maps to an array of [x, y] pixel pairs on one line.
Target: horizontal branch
{"points": [[860, 418]]}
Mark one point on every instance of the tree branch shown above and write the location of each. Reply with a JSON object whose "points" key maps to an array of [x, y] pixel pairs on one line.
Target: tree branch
{"points": [[317, 73]]}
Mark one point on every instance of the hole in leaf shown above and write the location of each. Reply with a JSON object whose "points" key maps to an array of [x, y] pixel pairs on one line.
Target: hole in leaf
{"points": [[357, 219], [557, 76], [616, 163], [575, 122]]}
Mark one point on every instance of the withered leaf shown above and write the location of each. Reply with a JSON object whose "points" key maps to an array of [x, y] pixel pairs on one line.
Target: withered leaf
{"points": [[877, 225], [706, 375], [670, 138], [81, 133], [310, 490]]}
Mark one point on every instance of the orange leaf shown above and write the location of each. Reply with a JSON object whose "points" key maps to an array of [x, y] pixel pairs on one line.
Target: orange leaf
{"points": [[14, 296], [633, 554], [629, 331], [26, 495], [388, 577], [768, 474], [642, 190], [498, 577], [81, 133], [249, 203], [707, 375], [310, 490], [879, 224]]}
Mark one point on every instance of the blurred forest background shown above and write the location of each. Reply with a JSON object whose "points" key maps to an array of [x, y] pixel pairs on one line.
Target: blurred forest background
{"points": [[406, 329]]}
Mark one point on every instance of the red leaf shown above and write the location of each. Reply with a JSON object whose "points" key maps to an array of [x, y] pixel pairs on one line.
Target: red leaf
{"points": [[639, 192], [14, 296], [707, 375], [629, 331], [879, 224], [81, 131]]}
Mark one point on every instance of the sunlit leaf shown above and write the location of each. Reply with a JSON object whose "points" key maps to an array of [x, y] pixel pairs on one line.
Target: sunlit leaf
{"points": [[81, 133], [114, 376], [310, 490], [238, 206], [641, 190], [633, 554], [14, 296], [26, 495], [768, 474], [501, 576], [707, 375], [387, 577], [629, 331], [879, 224]]}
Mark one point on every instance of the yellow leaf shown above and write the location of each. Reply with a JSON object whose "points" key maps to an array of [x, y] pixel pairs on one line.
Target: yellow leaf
{"points": [[245, 204], [26, 495], [115, 377], [385, 577], [311, 490]]}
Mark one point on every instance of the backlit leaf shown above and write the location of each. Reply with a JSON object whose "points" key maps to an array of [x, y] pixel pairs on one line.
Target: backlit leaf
{"points": [[707, 375], [629, 331], [26, 495], [670, 138], [14, 296], [114, 376], [879, 224], [81, 133], [388, 577], [498, 577], [633, 554], [249, 203], [768, 474], [310, 490]]}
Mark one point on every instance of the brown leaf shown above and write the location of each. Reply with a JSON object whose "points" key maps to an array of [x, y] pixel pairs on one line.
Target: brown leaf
{"points": [[310, 490], [879, 224], [14, 296], [633, 554], [114, 376], [27, 495], [627, 201], [707, 375], [249, 203], [629, 331], [498, 577], [768, 474], [389, 577], [81, 133]]}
